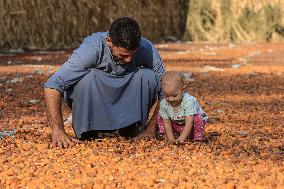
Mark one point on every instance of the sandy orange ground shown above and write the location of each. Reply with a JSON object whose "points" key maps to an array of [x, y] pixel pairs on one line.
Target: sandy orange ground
{"points": [[241, 87]]}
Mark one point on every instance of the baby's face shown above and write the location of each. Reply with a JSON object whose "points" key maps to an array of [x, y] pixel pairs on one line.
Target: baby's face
{"points": [[173, 94]]}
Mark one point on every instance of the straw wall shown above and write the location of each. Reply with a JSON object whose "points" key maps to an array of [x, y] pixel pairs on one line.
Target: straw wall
{"points": [[56, 24]]}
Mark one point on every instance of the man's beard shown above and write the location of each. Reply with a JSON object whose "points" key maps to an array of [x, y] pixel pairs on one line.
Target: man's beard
{"points": [[117, 59], [114, 57]]}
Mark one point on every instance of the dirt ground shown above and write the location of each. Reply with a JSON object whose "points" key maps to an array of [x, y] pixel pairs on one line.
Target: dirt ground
{"points": [[240, 87]]}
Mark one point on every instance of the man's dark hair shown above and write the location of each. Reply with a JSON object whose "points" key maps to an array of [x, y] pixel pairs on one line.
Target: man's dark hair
{"points": [[125, 32]]}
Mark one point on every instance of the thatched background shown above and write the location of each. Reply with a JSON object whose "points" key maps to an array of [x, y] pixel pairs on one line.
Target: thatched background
{"points": [[235, 20], [57, 24]]}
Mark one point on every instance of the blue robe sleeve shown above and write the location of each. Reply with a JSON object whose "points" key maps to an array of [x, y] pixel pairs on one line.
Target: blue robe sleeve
{"points": [[77, 66], [158, 68]]}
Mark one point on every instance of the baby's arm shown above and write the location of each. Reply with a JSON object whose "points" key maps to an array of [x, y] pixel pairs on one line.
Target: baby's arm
{"points": [[187, 128], [169, 129]]}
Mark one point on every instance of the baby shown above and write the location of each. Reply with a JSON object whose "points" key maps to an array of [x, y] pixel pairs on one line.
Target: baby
{"points": [[180, 113]]}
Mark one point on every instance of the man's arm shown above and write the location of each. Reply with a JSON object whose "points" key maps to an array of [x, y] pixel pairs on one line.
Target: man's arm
{"points": [[75, 68], [53, 108], [158, 67]]}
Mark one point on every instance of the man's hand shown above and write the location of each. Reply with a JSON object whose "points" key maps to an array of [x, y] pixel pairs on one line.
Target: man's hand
{"points": [[61, 139], [150, 131], [53, 108]]}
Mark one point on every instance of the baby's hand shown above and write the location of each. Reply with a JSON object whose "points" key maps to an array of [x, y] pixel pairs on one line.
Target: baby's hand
{"points": [[168, 141]]}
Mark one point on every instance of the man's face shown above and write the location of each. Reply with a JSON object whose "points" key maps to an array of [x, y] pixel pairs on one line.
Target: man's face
{"points": [[120, 54]]}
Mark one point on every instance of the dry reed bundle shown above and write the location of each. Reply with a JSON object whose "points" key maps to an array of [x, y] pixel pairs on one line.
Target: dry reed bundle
{"points": [[235, 21]]}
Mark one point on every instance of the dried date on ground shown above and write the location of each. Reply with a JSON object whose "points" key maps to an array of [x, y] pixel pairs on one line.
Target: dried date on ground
{"points": [[241, 93]]}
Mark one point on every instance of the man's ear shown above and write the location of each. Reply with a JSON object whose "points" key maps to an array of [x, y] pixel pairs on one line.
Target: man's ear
{"points": [[109, 42]]}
